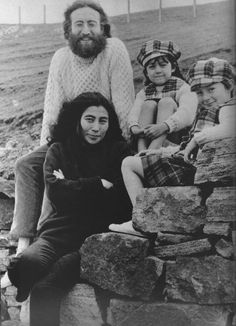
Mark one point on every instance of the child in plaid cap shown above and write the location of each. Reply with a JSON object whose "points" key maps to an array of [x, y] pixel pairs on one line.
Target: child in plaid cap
{"points": [[213, 80], [166, 104]]}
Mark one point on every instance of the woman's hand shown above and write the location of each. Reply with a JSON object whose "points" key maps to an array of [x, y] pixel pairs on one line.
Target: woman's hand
{"points": [[58, 174], [189, 156], [106, 184], [155, 130]]}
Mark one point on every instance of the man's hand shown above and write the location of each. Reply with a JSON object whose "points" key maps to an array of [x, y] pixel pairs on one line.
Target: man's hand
{"points": [[58, 174], [106, 184], [188, 152], [136, 130], [155, 130]]}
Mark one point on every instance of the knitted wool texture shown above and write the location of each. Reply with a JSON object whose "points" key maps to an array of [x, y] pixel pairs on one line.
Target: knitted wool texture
{"points": [[110, 73]]}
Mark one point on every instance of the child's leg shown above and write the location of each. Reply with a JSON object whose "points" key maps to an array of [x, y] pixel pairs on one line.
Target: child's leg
{"points": [[147, 116], [132, 171], [166, 107]]}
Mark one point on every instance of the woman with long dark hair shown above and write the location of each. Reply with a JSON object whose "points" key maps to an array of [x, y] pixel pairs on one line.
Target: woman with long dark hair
{"points": [[82, 173]]}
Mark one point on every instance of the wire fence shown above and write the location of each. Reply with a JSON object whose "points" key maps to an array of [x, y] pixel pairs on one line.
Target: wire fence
{"points": [[159, 3]]}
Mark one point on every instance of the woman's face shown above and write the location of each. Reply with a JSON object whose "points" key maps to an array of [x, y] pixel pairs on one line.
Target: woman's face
{"points": [[159, 70], [94, 124]]}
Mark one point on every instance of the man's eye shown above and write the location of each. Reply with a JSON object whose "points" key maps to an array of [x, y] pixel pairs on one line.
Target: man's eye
{"points": [[92, 25]]}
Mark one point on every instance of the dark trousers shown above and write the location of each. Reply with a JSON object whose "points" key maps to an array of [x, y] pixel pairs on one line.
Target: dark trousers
{"points": [[47, 273]]}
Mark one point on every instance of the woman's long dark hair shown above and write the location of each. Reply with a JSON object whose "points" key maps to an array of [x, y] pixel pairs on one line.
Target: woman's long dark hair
{"points": [[65, 129]]}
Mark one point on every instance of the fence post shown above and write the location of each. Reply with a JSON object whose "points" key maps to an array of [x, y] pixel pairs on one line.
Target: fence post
{"points": [[194, 8], [19, 15], [44, 14], [128, 11], [159, 10]]}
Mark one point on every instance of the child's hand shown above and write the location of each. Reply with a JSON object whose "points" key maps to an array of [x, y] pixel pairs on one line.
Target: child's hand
{"points": [[58, 174], [155, 130], [188, 152], [136, 130], [106, 184]]}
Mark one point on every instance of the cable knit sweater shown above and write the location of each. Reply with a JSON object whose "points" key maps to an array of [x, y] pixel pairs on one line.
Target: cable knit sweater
{"points": [[110, 73]]}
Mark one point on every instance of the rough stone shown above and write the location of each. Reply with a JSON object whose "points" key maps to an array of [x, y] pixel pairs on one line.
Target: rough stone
{"points": [[170, 209], [4, 259], [183, 249], [3, 310], [6, 213], [217, 228], [14, 313], [7, 188], [221, 205], [119, 263], [80, 308], [131, 313], [224, 248], [170, 238], [216, 162], [203, 280]]}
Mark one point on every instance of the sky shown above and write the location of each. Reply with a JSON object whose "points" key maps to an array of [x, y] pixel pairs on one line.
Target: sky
{"points": [[32, 10]]}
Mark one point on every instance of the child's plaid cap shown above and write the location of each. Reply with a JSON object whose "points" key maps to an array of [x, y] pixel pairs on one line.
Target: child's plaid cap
{"points": [[154, 48], [213, 70]]}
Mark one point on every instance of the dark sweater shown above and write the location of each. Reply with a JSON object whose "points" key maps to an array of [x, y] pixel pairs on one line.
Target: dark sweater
{"points": [[81, 205]]}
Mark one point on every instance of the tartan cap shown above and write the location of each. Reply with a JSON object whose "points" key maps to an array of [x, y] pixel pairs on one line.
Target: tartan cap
{"points": [[154, 48], [213, 70]]}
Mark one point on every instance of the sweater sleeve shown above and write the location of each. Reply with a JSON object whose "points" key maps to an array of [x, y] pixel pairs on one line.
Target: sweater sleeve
{"points": [[225, 128], [65, 190], [121, 80], [136, 108], [54, 96], [187, 107]]}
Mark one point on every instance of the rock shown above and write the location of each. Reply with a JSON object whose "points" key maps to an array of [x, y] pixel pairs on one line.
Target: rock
{"points": [[7, 187], [80, 308], [183, 249], [14, 313], [6, 213], [136, 313], [203, 280], [170, 209], [170, 238], [221, 205], [216, 162], [119, 263], [217, 228], [4, 313], [224, 248], [4, 259]]}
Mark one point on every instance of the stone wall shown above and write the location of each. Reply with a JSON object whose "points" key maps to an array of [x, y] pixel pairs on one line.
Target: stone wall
{"points": [[182, 274]]}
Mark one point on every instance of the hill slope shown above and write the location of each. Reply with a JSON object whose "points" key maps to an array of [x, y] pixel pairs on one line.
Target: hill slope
{"points": [[25, 55]]}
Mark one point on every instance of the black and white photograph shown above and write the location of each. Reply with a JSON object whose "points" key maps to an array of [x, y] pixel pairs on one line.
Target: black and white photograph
{"points": [[117, 163]]}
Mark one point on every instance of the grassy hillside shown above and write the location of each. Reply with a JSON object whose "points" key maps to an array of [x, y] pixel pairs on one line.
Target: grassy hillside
{"points": [[25, 54]]}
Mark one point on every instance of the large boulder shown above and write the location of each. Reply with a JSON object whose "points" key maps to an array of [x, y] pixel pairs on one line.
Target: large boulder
{"points": [[170, 209], [216, 162], [120, 263], [203, 280], [136, 313]]}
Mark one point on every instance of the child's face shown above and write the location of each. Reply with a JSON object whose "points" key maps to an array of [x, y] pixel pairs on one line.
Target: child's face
{"points": [[213, 95], [159, 70]]}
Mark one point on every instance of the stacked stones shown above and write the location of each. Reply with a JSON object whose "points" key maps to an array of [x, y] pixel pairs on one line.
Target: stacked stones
{"points": [[183, 274], [10, 309]]}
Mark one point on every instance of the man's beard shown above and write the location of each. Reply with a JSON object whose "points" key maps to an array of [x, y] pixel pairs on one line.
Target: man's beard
{"points": [[92, 49]]}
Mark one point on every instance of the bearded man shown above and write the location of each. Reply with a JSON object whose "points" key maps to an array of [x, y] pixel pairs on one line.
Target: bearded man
{"points": [[92, 61]]}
